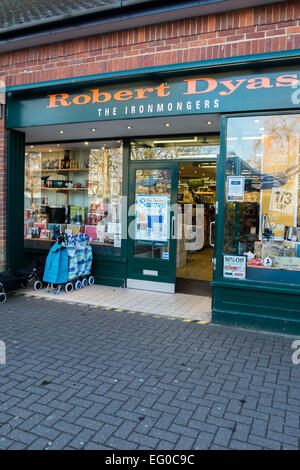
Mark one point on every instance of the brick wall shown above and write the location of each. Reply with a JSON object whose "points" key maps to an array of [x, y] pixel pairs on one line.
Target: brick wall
{"points": [[247, 31]]}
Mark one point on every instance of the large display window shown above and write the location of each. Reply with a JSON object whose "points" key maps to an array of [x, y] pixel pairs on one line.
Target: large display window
{"points": [[262, 218], [74, 188]]}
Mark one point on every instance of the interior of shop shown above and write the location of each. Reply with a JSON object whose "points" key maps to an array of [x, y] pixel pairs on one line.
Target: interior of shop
{"points": [[196, 199], [196, 189]]}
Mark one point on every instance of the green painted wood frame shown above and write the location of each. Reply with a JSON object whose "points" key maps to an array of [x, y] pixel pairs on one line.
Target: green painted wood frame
{"points": [[15, 200], [166, 268]]}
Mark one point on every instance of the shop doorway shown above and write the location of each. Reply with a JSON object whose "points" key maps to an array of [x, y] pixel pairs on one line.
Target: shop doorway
{"points": [[152, 220], [194, 251], [171, 229]]}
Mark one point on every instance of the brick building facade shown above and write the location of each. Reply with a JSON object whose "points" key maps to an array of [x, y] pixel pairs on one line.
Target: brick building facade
{"points": [[256, 30], [263, 30]]}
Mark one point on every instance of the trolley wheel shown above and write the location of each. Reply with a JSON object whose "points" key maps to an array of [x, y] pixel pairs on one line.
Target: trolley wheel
{"points": [[69, 287], [78, 285], [2, 298], [24, 284], [91, 280], [84, 282], [37, 285]]}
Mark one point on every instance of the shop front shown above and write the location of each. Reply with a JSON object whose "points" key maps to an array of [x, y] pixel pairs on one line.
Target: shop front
{"points": [[182, 183]]}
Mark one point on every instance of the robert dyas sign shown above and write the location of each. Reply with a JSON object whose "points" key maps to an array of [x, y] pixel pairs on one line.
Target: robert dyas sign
{"points": [[177, 96]]}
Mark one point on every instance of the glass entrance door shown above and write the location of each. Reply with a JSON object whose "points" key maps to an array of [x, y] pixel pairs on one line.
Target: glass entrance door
{"points": [[151, 231]]}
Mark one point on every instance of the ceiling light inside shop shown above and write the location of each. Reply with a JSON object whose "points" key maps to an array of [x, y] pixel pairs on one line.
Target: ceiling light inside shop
{"points": [[178, 141], [86, 143], [129, 127], [61, 132], [209, 123], [200, 157], [259, 137], [167, 124], [93, 129]]}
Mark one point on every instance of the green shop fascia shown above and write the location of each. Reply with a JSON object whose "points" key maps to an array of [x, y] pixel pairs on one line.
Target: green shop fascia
{"points": [[257, 231]]}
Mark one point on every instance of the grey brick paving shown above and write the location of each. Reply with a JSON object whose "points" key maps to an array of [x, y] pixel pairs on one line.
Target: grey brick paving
{"points": [[83, 378]]}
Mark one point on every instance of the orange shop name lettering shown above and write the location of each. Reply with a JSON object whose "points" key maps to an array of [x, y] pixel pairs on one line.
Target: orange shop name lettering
{"points": [[193, 86]]}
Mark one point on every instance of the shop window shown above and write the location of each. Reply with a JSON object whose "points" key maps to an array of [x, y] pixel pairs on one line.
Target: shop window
{"points": [[185, 148], [262, 216], [74, 188]]}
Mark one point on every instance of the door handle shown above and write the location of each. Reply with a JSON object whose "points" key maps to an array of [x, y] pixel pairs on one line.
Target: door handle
{"points": [[210, 233], [173, 236]]}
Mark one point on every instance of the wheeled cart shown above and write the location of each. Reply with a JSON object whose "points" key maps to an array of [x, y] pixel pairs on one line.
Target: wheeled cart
{"points": [[69, 265]]}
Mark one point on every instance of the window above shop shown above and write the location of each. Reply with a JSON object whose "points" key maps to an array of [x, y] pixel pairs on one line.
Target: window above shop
{"points": [[206, 148]]}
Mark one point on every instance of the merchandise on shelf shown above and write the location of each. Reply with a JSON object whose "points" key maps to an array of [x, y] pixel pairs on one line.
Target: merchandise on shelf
{"points": [[74, 190]]}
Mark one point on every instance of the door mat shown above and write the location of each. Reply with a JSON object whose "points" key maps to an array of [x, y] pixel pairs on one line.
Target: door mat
{"points": [[193, 287]]}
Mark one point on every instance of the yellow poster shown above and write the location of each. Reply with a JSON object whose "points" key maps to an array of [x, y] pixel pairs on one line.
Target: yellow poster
{"points": [[279, 182]]}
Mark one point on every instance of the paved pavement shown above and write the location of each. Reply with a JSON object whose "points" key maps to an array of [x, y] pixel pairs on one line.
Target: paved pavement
{"points": [[79, 376]]}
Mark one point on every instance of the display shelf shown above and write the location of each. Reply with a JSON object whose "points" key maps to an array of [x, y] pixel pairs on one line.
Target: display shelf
{"points": [[39, 239], [272, 268], [53, 241], [64, 189], [204, 192], [55, 170]]}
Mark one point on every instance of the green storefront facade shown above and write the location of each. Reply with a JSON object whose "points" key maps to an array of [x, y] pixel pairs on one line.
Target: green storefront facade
{"points": [[254, 100]]}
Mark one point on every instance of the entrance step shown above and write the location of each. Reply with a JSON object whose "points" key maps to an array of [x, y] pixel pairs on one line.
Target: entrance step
{"points": [[193, 287], [184, 306]]}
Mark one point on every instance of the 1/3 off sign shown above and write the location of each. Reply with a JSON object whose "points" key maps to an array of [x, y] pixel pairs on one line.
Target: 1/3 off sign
{"points": [[282, 200]]}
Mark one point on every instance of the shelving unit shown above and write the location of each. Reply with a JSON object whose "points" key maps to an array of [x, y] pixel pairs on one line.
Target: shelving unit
{"points": [[47, 185], [57, 170], [47, 240], [64, 189]]}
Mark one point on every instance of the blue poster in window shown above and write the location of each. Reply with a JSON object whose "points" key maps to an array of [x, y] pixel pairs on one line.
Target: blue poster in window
{"points": [[152, 219]]}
